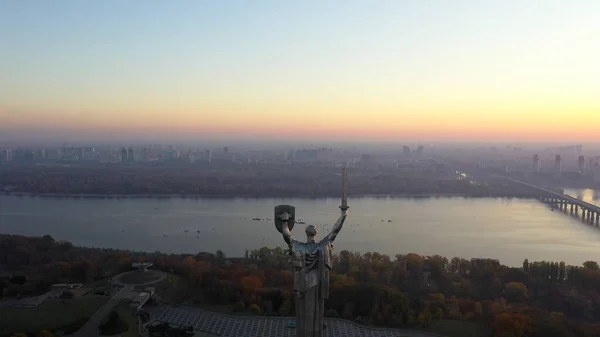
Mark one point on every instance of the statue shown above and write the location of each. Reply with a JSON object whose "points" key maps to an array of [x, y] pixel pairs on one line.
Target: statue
{"points": [[311, 262]]}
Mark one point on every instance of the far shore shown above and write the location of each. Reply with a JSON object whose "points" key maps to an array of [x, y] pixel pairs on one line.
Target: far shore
{"points": [[248, 196]]}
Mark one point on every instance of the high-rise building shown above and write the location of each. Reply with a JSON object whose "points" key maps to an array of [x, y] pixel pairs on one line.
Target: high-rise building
{"points": [[208, 156], [420, 149], [536, 163], [581, 164], [226, 149], [145, 154], [191, 157], [557, 164], [130, 155], [4, 155], [124, 157], [406, 150]]}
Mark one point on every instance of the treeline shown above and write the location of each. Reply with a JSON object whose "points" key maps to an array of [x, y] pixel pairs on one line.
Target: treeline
{"points": [[409, 291], [235, 180]]}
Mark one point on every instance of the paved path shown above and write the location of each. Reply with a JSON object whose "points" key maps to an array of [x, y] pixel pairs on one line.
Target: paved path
{"points": [[90, 328], [234, 326]]}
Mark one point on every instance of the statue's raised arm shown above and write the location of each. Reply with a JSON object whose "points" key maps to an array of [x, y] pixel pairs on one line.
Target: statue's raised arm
{"points": [[337, 227]]}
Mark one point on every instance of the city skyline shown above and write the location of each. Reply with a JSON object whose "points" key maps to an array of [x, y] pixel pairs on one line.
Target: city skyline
{"points": [[382, 70]]}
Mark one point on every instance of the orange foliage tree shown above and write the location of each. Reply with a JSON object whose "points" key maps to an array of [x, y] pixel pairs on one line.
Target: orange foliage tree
{"points": [[511, 325]]}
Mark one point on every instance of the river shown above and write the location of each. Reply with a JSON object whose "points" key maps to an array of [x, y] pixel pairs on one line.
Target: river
{"points": [[507, 229]]}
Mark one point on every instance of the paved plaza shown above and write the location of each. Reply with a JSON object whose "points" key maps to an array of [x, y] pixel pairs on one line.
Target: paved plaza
{"points": [[233, 326]]}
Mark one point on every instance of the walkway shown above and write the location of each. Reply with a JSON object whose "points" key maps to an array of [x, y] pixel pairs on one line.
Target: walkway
{"points": [[90, 328], [244, 326]]}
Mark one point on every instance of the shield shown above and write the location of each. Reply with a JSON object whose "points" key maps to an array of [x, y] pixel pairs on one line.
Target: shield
{"points": [[290, 214]]}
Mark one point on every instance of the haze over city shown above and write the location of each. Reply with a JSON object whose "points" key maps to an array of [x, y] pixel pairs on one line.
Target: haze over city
{"points": [[361, 70], [265, 168]]}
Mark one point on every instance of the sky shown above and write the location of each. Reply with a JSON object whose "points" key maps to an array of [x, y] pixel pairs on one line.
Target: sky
{"points": [[393, 70]]}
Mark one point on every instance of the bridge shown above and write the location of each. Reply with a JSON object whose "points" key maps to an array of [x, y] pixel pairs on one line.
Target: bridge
{"points": [[566, 203]]}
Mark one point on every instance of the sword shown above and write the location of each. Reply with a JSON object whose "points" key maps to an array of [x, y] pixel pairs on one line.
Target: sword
{"points": [[344, 205]]}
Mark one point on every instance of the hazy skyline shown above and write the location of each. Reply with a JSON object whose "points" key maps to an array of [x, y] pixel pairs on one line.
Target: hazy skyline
{"points": [[466, 70]]}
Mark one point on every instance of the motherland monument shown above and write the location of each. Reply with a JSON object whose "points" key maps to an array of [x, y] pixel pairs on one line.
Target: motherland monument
{"points": [[311, 262]]}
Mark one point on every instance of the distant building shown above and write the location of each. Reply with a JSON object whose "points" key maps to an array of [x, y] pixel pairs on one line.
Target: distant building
{"points": [[130, 157], [306, 155], [226, 149], [191, 157], [4, 155], [581, 164], [208, 156], [172, 154], [124, 155], [557, 164], [419, 150], [406, 150], [53, 154], [537, 164], [145, 154]]}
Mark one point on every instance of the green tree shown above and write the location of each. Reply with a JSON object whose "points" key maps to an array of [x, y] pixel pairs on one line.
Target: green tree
{"points": [[591, 265], [516, 292], [255, 309]]}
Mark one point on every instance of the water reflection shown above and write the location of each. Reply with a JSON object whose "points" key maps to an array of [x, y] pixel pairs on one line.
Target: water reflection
{"points": [[587, 195]]}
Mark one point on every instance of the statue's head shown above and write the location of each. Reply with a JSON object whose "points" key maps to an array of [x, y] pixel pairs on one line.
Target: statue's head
{"points": [[311, 231]]}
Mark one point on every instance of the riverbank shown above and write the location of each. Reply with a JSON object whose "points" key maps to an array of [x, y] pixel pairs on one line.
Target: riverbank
{"points": [[249, 196]]}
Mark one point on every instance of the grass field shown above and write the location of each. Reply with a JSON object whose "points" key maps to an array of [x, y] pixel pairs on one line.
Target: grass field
{"points": [[52, 315], [458, 328]]}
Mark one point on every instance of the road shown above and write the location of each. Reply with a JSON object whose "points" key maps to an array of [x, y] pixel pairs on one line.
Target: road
{"points": [[90, 328]]}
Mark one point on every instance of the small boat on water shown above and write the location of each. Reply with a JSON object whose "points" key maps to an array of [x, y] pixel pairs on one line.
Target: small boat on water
{"points": [[256, 219]]}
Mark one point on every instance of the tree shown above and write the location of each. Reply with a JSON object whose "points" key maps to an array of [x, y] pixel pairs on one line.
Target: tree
{"points": [[250, 284], [114, 325], [44, 333], [516, 291], [591, 265], [511, 325], [255, 309]]}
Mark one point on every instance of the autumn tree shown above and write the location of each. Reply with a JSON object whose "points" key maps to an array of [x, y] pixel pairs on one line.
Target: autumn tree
{"points": [[516, 292], [511, 325]]}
